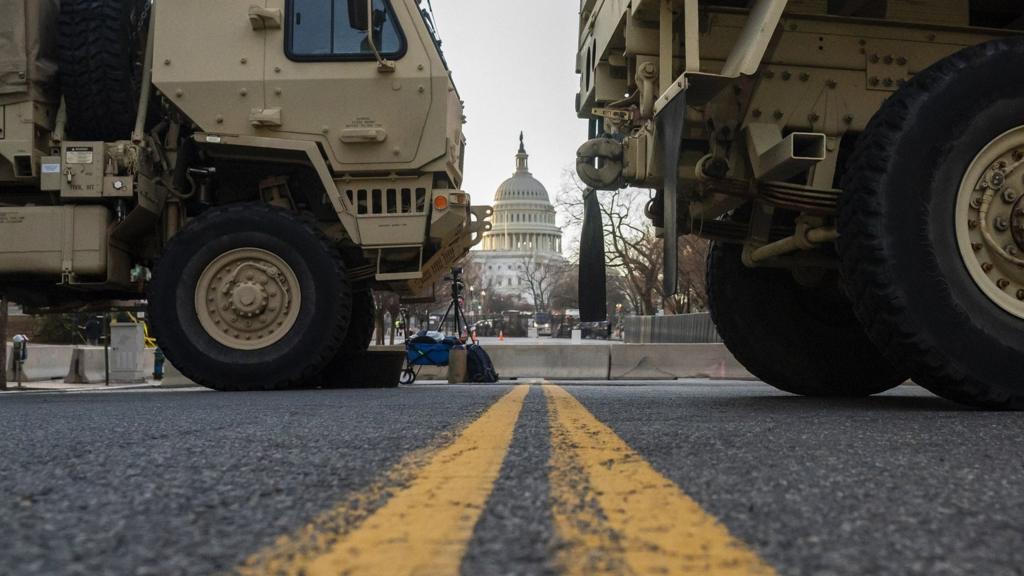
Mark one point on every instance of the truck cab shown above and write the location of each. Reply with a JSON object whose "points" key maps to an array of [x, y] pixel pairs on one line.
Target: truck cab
{"points": [[267, 163]]}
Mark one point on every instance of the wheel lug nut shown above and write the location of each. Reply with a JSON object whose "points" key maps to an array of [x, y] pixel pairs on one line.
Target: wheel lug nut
{"points": [[1003, 284], [1002, 224], [1020, 294], [987, 267]]}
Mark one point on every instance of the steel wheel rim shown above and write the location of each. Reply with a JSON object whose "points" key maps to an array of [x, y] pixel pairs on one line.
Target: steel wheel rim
{"points": [[990, 221], [248, 299]]}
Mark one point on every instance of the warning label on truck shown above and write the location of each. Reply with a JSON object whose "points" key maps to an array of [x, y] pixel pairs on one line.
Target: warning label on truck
{"points": [[11, 218], [78, 155]]}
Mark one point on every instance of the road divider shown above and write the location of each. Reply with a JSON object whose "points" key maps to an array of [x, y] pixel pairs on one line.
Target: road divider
{"points": [[672, 361], [616, 514], [608, 361], [423, 528], [557, 362], [553, 362], [44, 363], [88, 366]]}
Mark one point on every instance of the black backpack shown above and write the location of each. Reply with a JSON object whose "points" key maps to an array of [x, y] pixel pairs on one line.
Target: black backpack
{"points": [[479, 367]]}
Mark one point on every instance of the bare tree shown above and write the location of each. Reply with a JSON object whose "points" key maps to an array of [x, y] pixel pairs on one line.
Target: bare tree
{"points": [[693, 258], [635, 254], [565, 292], [540, 276]]}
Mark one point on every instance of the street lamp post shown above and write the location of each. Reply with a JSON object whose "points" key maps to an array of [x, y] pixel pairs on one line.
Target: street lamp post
{"points": [[3, 342]]}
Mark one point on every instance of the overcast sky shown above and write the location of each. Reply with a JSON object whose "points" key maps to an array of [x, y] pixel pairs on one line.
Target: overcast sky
{"points": [[514, 65]]}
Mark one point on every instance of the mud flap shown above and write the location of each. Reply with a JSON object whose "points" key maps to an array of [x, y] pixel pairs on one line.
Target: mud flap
{"points": [[671, 123], [593, 286]]}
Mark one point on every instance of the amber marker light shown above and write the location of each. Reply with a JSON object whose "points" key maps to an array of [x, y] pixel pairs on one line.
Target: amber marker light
{"points": [[441, 203]]}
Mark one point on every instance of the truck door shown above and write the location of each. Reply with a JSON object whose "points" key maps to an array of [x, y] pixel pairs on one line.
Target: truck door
{"points": [[210, 60], [324, 80]]}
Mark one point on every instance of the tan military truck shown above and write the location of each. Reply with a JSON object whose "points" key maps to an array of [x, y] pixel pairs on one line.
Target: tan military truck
{"points": [[859, 165], [254, 167]]}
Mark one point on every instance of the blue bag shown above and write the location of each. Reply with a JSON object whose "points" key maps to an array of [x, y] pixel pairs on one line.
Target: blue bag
{"points": [[434, 354]]}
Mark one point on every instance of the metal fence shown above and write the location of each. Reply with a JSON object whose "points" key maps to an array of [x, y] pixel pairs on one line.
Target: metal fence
{"points": [[682, 329]]}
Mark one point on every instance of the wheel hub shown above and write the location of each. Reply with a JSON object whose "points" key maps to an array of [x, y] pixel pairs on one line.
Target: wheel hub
{"points": [[1017, 224], [248, 299], [990, 221]]}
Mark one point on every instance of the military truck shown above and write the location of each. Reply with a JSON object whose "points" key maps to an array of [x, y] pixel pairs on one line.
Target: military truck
{"points": [[253, 168], [857, 164]]}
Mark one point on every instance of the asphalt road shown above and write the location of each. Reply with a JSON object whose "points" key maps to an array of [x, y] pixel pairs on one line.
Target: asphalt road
{"points": [[674, 478]]}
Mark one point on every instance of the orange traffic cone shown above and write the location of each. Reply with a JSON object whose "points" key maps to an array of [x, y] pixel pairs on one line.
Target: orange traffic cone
{"points": [[501, 335]]}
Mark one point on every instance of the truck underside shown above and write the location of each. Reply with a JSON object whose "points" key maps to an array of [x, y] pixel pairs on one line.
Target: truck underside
{"points": [[783, 132]]}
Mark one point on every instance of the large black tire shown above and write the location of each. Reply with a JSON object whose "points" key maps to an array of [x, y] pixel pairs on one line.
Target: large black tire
{"points": [[909, 281], [800, 340], [360, 328], [101, 46], [321, 321], [338, 372]]}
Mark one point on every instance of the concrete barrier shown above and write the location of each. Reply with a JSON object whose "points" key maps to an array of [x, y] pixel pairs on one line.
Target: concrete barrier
{"points": [[44, 363], [85, 364], [431, 373], [672, 361], [521, 361], [571, 362], [88, 366]]}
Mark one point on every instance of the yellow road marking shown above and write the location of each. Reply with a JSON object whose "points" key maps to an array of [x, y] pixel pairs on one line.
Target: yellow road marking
{"points": [[617, 515], [423, 528]]}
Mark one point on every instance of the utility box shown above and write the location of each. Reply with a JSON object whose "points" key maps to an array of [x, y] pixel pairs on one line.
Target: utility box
{"points": [[127, 353], [54, 240]]}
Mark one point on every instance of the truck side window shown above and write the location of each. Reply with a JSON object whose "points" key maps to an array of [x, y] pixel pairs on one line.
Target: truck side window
{"points": [[321, 30]]}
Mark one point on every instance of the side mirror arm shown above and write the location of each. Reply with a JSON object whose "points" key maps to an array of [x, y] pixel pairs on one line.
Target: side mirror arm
{"points": [[384, 66]]}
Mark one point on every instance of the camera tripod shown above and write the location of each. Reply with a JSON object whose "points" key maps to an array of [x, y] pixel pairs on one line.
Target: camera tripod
{"points": [[455, 312], [416, 358]]}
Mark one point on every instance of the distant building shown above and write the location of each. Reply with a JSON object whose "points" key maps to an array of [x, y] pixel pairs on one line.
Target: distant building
{"points": [[524, 233]]}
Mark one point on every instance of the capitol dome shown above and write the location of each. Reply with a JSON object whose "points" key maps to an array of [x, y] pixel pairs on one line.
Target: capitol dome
{"points": [[522, 185], [524, 219], [524, 240]]}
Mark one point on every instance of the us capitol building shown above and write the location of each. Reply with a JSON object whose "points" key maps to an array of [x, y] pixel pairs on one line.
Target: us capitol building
{"points": [[524, 232]]}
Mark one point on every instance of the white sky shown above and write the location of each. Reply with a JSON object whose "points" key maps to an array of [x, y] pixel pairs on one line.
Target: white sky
{"points": [[515, 67]]}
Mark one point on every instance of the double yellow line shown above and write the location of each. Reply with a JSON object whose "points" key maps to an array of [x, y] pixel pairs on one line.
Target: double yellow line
{"points": [[613, 512]]}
